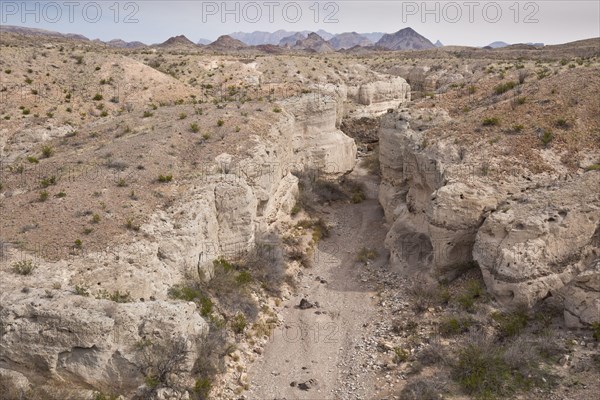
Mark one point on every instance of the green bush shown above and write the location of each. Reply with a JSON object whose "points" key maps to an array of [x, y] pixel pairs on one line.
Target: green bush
{"points": [[43, 195], [81, 290], [511, 324], [24, 267], [455, 325], [482, 372], [194, 127], [473, 292], [195, 294], [400, 355], [47, 151], [505, 87], [546, 137], [239, 323], [45, 182], [165, 178], [202, 388], [492, 121], [318, 226]]}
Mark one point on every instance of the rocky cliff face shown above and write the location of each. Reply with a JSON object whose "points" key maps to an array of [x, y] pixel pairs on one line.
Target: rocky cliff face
{"points": [[531, 240]]}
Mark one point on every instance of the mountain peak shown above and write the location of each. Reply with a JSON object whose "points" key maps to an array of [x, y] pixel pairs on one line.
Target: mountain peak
{"points": [[228, 43], [405, 39], [179, 40]]}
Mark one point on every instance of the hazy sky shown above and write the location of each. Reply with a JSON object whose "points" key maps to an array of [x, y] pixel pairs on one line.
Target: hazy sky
{"points": [[475, 23]]}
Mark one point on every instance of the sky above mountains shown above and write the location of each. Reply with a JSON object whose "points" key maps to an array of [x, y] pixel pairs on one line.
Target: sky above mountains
{"points": [[462, 22]]}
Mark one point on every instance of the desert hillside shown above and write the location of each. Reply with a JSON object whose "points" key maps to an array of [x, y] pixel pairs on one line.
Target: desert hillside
{"points": [[317, 220]]}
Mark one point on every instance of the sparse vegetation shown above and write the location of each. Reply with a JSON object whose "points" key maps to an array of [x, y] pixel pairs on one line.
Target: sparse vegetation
{"points": [[47, 151], [366, 254], [491, 121], [24, 267], [546, 137], [165, 178], [505, 87]]}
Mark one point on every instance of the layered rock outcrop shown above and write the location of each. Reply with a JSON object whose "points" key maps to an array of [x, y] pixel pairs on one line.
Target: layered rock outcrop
{"points": [[444, 212]]}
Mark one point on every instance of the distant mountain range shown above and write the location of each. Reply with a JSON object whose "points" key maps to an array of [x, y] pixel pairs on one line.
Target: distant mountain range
{"points": [[320, 41], [498, 45]]}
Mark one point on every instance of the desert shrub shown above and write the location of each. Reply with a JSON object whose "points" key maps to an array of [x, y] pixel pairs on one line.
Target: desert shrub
{"points": [[81, 290], [202, 388], [320, 230], [546, 137], [596, 331], [49, 181], [522, 76], [561, 123], [454, 325], [481, 370], [593, 167], [512, 323], [328, 191], [24, 267], [299, 255], [224, 286], [487, 370], [220, 122], [491, 121], [371, 163], [239, 323], [315, 190], [162, 363], [147, 114], [356, 191], [210, 362], [366, 254], [400, 355], [505, 87], [192, 293], [47, 151], [433, 354], [421, 389], [116, 296], [518, 128], [117, 165], [194, 127], [165, 178], [472, 292], [43, 196], [428, 294], [97, 97], [295, 209]]}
